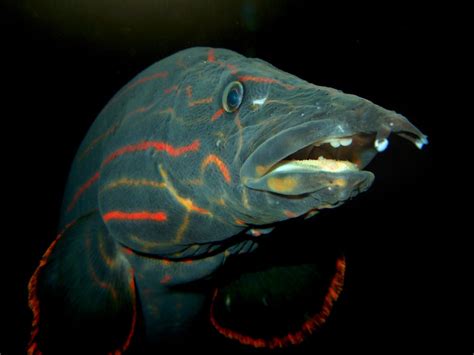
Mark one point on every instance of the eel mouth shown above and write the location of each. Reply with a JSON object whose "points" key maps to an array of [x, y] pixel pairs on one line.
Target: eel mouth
{"points": [[323, 154], [335, 154]]}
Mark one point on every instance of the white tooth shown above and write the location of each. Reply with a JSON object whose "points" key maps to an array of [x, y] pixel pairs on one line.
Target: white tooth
{"points": [[334, 143], [345, 141], [381, 144], [421, 142]]}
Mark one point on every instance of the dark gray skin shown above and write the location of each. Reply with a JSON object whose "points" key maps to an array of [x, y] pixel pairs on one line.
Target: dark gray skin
{"points": [[171, 174]]}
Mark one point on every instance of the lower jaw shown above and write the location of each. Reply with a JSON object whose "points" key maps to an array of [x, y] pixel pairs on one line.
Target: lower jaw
{"points": [[295, 178]]}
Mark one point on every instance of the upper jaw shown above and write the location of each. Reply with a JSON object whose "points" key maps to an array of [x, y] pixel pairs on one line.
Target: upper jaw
{"points": [[318, 153]]}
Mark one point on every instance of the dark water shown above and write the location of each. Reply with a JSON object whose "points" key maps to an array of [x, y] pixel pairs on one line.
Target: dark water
{"points": [[63, 63]]}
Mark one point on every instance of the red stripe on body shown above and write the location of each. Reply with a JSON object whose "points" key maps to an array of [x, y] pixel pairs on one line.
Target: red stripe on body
{"points": [[206, 100], [135, 216], [217, 114], [157, 145], [211, 55], [82, 189], [233, 69], [258, 79]]}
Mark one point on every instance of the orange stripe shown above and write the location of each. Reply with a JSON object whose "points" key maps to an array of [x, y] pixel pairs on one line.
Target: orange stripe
{"points": [[307, 328], [258, 79], [157, 145], [186, 202], [135, 216], [206, 100], [82, 189], [214, 159], [217, 114]]}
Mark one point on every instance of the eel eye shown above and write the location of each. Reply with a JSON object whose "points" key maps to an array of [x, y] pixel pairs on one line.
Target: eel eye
{"points": [[232, 97]]}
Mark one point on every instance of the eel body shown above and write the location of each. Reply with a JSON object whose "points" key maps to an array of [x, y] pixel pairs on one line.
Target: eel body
{"points": [[187, 169]]}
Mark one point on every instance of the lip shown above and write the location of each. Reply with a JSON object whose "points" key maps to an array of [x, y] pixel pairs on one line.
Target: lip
{"points": [[301, 159]]}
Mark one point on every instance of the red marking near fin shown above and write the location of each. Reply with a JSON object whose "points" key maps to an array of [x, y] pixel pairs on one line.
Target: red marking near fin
{"points": [[135, 216], [217, 114], [214, 159], [33, 301], [157, 145], [211, 55], [81, 190], [308, 326]]}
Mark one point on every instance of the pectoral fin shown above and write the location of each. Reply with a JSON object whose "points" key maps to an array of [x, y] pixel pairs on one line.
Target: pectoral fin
{"points": [[83, 293], [277, 306]]}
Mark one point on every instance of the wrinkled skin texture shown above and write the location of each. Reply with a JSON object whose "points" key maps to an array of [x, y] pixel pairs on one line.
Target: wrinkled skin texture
{"points": [[166, 183]]}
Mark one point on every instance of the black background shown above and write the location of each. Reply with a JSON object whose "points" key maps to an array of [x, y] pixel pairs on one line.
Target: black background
{"points": [[62, 63]]}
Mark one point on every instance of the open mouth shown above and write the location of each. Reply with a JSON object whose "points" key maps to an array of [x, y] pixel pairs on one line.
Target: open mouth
{"points": [[334, 154], [307, 158]]}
